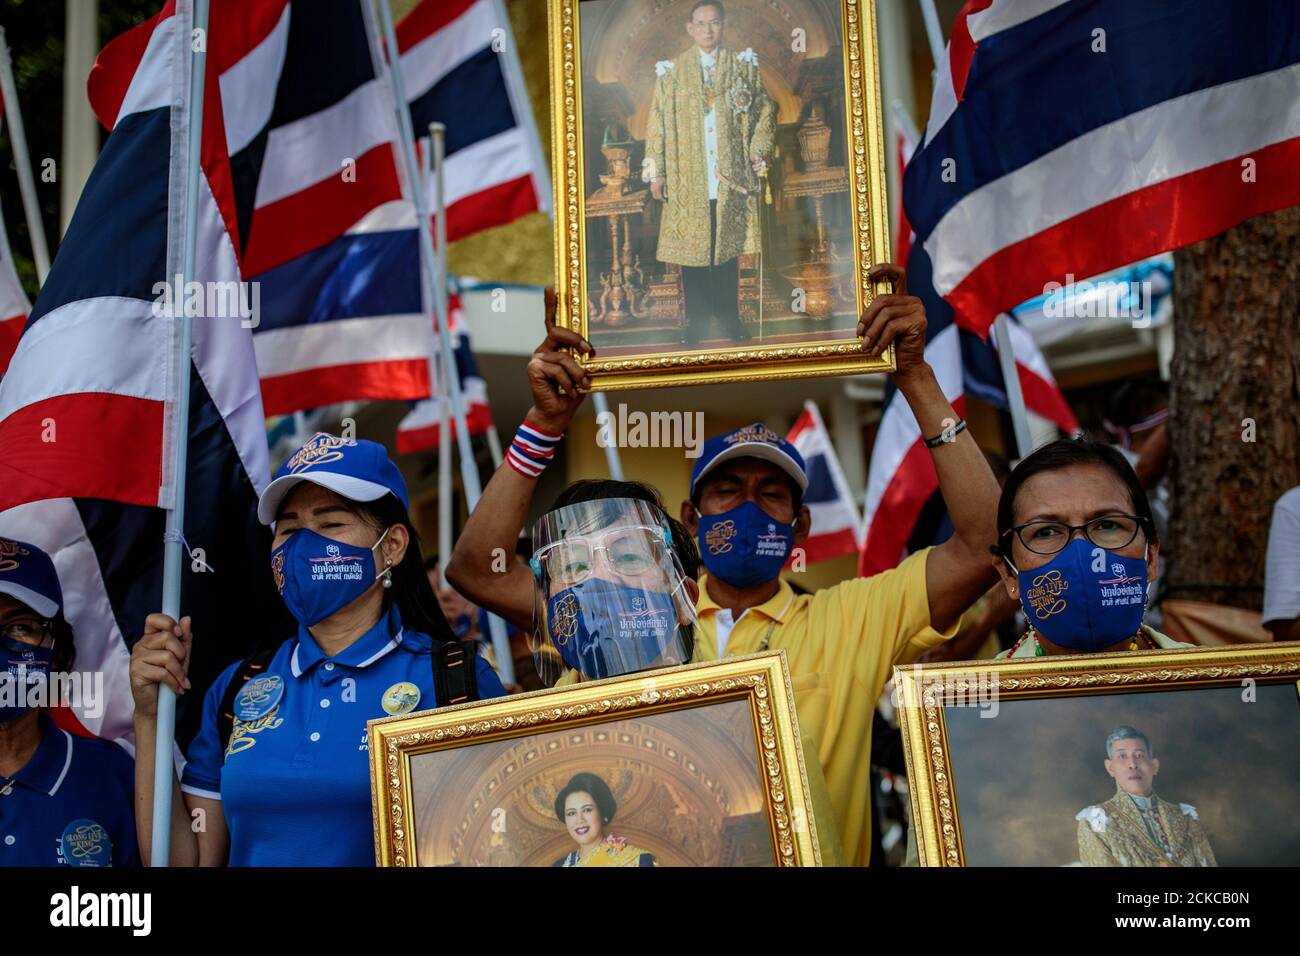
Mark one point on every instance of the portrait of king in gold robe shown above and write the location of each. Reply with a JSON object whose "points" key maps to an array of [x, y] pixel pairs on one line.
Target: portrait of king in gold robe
{"points": [[1136, 827], [708, 140]]}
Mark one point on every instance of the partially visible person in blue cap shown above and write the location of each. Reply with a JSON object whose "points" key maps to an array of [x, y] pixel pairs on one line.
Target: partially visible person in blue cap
{"points": [[280, 766], [65, 799], [746, 511]]}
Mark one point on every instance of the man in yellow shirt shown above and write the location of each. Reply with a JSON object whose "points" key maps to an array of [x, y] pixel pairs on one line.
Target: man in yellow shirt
{"points": [[841, 642]]}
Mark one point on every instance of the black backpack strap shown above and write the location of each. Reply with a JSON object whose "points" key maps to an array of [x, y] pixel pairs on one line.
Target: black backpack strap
{"points": [[455, 673], [248, 668]]}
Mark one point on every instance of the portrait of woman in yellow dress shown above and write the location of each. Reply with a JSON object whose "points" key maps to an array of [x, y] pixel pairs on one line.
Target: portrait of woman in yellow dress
{"points": [[586, 806]]}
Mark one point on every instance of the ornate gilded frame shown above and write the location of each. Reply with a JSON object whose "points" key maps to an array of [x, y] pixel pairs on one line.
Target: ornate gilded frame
{"points": [[761, 679], [922, 691], [745, 363]]}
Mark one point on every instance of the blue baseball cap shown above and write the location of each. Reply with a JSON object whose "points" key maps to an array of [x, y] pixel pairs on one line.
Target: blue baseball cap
{"points": [[27, 573], [752, 441], [357, 469]]}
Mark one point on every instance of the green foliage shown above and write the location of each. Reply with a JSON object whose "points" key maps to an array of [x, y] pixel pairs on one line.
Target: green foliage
{"points": [[35, 30]]}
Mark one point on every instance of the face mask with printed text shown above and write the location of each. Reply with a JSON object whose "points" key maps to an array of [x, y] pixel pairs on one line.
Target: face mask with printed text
{"points": [[744, 546], [317, 575], [1086, 598]]}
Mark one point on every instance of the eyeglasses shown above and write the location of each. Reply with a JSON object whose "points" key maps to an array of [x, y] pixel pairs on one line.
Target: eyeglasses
{"points": [[24, 633], [629, 551], [1111, 532]]}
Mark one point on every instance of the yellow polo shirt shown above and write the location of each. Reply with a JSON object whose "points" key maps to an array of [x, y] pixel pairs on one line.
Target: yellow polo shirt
{"points": [[841, 644]]}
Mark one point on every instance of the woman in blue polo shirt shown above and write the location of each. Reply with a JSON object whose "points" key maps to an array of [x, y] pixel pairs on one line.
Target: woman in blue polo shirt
{"points": [[64, 799], [286, 780]]}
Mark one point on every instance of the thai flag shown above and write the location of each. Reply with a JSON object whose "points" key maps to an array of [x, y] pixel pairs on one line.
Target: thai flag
{"points": [[332, 235], [460, 68], [317, 185], [901, 478], [1075, 136], [84, 404], [13, 300], [836, 524], [421, 428]]}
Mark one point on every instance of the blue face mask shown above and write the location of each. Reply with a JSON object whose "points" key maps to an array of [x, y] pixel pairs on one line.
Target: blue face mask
{"points": [[603, 629], [1086, 598], [29, 666], [744, 546], [317, 575]]}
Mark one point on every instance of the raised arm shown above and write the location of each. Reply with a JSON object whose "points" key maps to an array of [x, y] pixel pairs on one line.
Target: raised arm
{"points": [[958, 571], [483, 565]]}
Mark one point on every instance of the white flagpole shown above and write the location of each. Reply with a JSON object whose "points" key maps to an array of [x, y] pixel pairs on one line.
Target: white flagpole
{"points": [[444, 487], [905, 123], [1011, 381], [933, 32], [174, 553], [494, 446], [436, 290], [435, 281], [23, 162], [612, 458], [493, 437], [522, 106], [1001, 332], [505, 663]]}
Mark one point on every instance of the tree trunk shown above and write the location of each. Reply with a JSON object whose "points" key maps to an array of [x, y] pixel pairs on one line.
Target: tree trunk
{"points": [[1235, 391]]}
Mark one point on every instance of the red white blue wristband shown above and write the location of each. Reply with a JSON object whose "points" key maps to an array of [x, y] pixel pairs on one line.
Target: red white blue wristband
{"points": [[532, 450]]}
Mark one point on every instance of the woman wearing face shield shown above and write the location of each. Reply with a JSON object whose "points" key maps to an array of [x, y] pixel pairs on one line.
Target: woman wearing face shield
{"points": [[614, 592], [611, 595], [289, 763]]}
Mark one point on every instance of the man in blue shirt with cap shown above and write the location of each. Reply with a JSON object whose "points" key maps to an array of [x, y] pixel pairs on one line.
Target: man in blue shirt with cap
{"points": [[64, 799], [280, 767]]}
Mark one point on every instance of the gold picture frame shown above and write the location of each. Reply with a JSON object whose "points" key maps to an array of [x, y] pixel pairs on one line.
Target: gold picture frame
{"points": [[498, 757], [859, 178], [929, 696]]}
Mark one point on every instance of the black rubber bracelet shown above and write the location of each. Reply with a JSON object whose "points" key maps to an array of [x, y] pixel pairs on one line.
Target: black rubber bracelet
{"points": [[947, 435]]}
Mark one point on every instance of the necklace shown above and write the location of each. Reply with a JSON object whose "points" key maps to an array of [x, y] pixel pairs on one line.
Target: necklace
{"points": [[1155, 826], [1133, 642], [8, 787]]}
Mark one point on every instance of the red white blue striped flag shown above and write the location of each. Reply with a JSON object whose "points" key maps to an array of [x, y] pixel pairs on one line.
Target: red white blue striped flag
{"points": [[84, 402], [836, 524], [1073, 137], [1076, 136], [332, 235], [421, 429]]}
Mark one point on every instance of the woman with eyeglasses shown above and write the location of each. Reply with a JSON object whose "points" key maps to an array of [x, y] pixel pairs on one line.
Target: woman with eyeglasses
{"points": [[64, 800], [1078, 548]]}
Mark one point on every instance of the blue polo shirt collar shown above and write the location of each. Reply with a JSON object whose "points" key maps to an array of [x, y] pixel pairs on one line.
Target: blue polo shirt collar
{"points": [[384, 637], [49, 765]]}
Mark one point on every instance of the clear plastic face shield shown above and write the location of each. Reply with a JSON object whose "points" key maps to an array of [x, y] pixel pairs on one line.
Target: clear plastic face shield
{"points": [[609, 594]]}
